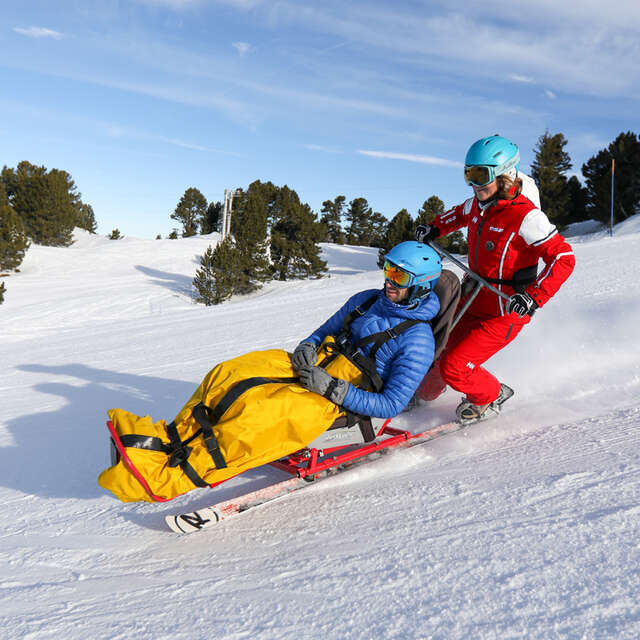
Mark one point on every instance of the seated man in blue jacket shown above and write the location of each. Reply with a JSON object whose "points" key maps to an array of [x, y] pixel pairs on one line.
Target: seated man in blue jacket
{"points": [[389, 327]]}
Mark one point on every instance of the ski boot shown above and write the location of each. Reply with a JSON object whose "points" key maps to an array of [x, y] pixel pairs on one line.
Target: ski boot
{"points": [[469, 413]]}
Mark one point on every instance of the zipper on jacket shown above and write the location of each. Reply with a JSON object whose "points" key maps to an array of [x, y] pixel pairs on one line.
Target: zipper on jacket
{"points": [[483, 219]]}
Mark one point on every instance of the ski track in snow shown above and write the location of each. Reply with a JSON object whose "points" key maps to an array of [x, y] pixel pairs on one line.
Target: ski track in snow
{"points": [[522, 527]]}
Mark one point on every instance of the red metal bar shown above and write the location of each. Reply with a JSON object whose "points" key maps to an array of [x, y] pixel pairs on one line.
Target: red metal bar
{"points": [[304, 464]]}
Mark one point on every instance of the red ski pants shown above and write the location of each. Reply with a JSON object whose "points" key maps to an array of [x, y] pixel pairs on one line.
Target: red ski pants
{"points": [[471, 343]]}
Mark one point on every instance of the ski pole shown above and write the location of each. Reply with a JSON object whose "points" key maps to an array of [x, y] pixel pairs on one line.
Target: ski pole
{"points": [[479, 279]]}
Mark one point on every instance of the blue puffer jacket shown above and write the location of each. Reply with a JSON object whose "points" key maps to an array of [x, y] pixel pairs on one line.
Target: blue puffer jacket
{"points": [[401, 362]]}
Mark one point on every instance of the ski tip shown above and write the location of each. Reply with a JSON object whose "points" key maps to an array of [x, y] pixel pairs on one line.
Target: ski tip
{"points": [[194, 521]]}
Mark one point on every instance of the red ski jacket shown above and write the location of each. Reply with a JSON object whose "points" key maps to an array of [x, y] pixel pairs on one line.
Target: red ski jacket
{"points": [[506, 242]]}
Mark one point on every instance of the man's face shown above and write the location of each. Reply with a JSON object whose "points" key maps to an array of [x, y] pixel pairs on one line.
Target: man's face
{"points": [[396, 294]]}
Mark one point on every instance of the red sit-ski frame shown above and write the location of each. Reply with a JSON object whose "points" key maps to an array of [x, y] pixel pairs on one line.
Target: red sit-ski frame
{"points": [[308, 462]]}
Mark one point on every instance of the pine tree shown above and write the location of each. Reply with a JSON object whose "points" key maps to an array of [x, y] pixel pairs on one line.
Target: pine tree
{"points": [[216, 279], [85, 218], [454, 242], [358, 216], [190, 211], [13, 240], [115, 235], [46, 202], [548, 170], [377, 229], [2, 292], [212, 219], [577, 208], [173, 235], [295, 233], [249, 229], [332, 219], [625, 150], [399, 229], [430, 209]]}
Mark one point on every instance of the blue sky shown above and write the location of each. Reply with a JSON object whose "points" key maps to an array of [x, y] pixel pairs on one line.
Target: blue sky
{"points": [[141, 99]]}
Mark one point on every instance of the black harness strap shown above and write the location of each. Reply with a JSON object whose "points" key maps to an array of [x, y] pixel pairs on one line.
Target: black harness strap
{"points": [[201, 414], [177, 451], [520, 280], [360, 310], [180, 453], [133, 440], [367, 364], [378, 339], [208, 417]]}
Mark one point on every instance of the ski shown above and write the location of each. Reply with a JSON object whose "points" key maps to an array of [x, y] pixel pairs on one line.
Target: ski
{"points": [[208, 516]]}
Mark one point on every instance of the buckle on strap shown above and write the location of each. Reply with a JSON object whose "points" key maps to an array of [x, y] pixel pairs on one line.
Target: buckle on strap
{"points": [[391, 332], [179, 455]]}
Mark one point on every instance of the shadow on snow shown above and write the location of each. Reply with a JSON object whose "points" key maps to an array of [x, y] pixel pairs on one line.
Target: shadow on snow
{"points": [[59, 454]]}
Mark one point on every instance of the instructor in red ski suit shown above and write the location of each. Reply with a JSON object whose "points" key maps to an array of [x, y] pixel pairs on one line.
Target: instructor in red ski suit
{"points": [[507, 236]]}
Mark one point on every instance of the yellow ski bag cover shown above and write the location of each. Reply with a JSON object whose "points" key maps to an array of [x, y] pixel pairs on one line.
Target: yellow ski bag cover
{"points": [[246, 412]]}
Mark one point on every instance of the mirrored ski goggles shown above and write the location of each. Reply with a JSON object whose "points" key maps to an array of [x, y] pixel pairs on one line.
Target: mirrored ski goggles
{"points": [[479, 175], [396, 276]]}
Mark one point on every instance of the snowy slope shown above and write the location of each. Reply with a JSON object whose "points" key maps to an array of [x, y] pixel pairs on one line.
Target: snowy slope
{"points": [[524, 527]]}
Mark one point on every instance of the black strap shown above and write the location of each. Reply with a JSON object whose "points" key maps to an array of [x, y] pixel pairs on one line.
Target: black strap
{"points": [[360, 310], [330, 388], [177, 451], [378, 339], [343, 338], [135, 441], [367, 364], [368, 368], [208, 417], [180, 454], [350, 419], [201, 414], [521, 278]]}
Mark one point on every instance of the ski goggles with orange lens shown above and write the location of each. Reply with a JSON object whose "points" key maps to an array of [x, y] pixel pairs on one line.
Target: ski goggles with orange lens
{"points": [[396, 276], [479, 175]]}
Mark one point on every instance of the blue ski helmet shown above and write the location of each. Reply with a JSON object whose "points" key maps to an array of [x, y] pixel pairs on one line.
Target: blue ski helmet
{"points": [[414, 265], [489, 158]]}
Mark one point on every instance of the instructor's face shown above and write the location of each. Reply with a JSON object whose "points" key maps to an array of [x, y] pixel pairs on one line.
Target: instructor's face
{"points": [[487, 192]]}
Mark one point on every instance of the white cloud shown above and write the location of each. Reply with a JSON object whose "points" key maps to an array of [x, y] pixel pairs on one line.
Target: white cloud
{"points": [[318, 147], [390, 155], [118, 131], [524, 79], [242, 47], [179, 5], [593, 50], [550, 94], [38, 32]]}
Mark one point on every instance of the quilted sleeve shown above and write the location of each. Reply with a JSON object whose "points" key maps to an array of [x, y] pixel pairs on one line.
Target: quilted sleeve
{"points": [[408, 367]]}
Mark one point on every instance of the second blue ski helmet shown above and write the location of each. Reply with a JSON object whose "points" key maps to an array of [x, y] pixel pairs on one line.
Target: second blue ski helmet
{"points": [[414, 265], [489, 158]]}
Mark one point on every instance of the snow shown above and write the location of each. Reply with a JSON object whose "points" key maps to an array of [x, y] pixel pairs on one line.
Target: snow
{"points": [[522, 527]]}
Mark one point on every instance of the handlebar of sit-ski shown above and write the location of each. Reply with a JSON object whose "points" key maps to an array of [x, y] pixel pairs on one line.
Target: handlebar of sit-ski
{"points": [[479, 279], [480, 282]]}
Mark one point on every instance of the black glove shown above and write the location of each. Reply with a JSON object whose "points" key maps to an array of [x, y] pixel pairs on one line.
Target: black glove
{"points": [[319, 381], [426, 232], [304, 355], [521, 304]]}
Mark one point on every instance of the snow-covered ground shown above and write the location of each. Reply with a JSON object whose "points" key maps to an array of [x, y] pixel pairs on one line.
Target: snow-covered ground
{"points": [[523, 527]]}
